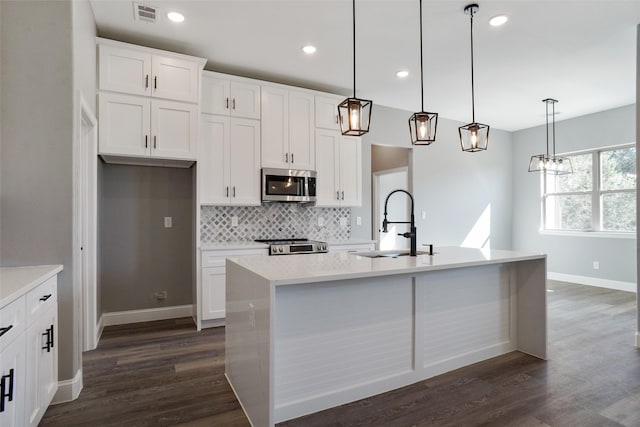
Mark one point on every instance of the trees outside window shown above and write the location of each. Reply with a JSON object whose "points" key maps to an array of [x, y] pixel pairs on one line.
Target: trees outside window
{"points": [[598, 196]]}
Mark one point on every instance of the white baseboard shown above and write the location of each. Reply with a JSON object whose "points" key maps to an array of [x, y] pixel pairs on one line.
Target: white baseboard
{"points": [[146, 315], [594, 281], [68, 390], [99, 329]]}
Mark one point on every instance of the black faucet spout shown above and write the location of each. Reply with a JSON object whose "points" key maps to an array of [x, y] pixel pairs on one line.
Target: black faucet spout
{"points": [[412, 234]]}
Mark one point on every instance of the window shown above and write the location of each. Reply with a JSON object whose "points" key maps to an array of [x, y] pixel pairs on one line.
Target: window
{"points": [[599, 195]]}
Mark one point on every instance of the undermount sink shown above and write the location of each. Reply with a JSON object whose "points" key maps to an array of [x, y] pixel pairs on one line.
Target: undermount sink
{"points": [[389, 254]]}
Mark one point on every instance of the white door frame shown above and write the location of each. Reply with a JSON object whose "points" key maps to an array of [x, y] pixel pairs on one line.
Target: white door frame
{"points": [[86, 226], [376, 224]]}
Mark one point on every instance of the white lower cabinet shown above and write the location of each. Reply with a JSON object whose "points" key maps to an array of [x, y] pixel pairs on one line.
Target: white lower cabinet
{"points": [[214, 279], [12, 365], [29, 355]]}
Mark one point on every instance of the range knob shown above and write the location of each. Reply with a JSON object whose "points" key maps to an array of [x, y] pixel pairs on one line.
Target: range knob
{"points": [[280, 249], [274, 249]]}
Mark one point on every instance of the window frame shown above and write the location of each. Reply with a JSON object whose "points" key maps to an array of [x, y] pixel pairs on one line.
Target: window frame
{"points": [[596, 193]]}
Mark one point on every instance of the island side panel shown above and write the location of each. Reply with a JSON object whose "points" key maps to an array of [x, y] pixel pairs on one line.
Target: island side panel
{"points": [[337, 342], [531, 277], [463, 316], [248, 343]]}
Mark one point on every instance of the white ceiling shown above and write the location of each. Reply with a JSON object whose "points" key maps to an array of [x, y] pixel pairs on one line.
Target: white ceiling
{"points": [[582, 53]]}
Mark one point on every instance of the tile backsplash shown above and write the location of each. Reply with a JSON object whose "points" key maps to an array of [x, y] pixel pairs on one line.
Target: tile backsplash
{"points": [[273, 221]]}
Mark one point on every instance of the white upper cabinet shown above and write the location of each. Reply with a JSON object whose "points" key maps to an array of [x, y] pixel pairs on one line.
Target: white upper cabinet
{"points": [[142, 127], [224, 96], [339, 167], [287, 128], [327, 112], [229, 161], [147, 105], [140, 71]]}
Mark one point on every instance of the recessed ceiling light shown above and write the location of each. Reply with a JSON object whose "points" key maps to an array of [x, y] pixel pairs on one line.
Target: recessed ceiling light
{"points": [[309, 49], [498, 20], [402, 74], [175, 16]]}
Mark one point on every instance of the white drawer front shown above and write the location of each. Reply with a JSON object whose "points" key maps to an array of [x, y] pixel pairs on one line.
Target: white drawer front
{"points": [[42, 297], [11, 321], [217, 258]]}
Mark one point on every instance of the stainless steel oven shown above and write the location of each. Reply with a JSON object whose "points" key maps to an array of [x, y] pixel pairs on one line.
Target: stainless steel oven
{"points": [[288, 185], [294, 246]]}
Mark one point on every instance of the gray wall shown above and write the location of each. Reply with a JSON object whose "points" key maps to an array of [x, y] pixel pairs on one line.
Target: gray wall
{"points": [[453, 187], [385, 158], [568, 254], [637, 169], [37, 141], [139, 255]]}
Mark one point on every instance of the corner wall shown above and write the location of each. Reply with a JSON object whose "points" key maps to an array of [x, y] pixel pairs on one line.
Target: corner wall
{"points": [[36, 224], [572, 255]]}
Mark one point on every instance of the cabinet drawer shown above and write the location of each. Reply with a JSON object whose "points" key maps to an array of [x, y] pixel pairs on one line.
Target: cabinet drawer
{"points": [[12, 320], [41, 298], [218, 258]]}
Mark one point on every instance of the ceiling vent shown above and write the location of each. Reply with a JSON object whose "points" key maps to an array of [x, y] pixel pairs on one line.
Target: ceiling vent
{"points": [[144, 13]]}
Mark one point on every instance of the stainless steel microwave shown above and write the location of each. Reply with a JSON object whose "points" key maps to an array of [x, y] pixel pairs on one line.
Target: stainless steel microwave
{"points": [[288, 185]]}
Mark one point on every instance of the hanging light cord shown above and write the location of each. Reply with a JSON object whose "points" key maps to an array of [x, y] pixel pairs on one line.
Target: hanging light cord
{"points": [[421, 68], [354, 48], [547, 117], [553, 116], [473, 100]]}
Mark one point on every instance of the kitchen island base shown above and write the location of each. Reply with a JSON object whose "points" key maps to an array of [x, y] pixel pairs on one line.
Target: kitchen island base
{"points": [[298, 348]]}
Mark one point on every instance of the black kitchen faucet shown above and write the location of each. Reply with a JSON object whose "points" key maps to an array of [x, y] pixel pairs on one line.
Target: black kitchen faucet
{"points": [[412, 234]]}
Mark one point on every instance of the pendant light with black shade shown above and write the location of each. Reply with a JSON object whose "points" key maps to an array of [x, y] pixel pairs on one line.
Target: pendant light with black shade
{"points": [[422, 125], [473, 136], [354, 114], [550, 163]]}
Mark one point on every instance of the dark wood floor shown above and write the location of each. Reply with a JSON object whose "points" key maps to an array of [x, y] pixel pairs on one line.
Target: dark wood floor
{"points": [[167, 374]]}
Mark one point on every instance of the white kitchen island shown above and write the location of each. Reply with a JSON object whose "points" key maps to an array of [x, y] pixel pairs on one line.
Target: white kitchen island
{"points": [[309, 332]]}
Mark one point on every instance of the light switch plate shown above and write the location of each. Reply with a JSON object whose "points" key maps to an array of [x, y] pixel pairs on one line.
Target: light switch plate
{"points": [[168, 222], [234, 221], [358, 220], [343, 222], [320, 221]]}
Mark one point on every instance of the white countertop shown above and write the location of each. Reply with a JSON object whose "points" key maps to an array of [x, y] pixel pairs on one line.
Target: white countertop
{"points": [[295, 269], [17, 281], [249, 244], [244, 244]]}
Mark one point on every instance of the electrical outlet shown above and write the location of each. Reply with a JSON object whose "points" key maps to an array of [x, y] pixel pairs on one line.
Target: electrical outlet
{"points": [[343, 222], [160, 295], [320, 221], [168, 222], [234, 221], [424, 214], [358, 220], [596, 265]]}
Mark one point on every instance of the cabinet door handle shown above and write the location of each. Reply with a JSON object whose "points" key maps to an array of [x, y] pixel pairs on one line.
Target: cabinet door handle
{"points": [[227, 103], [155, 82], [49, 344], [286, 157], [337, 195], [146, 81], [8, 393], [234, 103], [291, 157], [234, 191], [227, 191], [5, 330], [45, 297], [146, 141], [343, 195], [155, 144], [337, 119]]}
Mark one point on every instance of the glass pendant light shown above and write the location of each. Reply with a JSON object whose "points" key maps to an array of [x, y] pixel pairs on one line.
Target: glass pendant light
{"points": [[473, 136], [422, 125], [550, 163], [354, 113]]}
